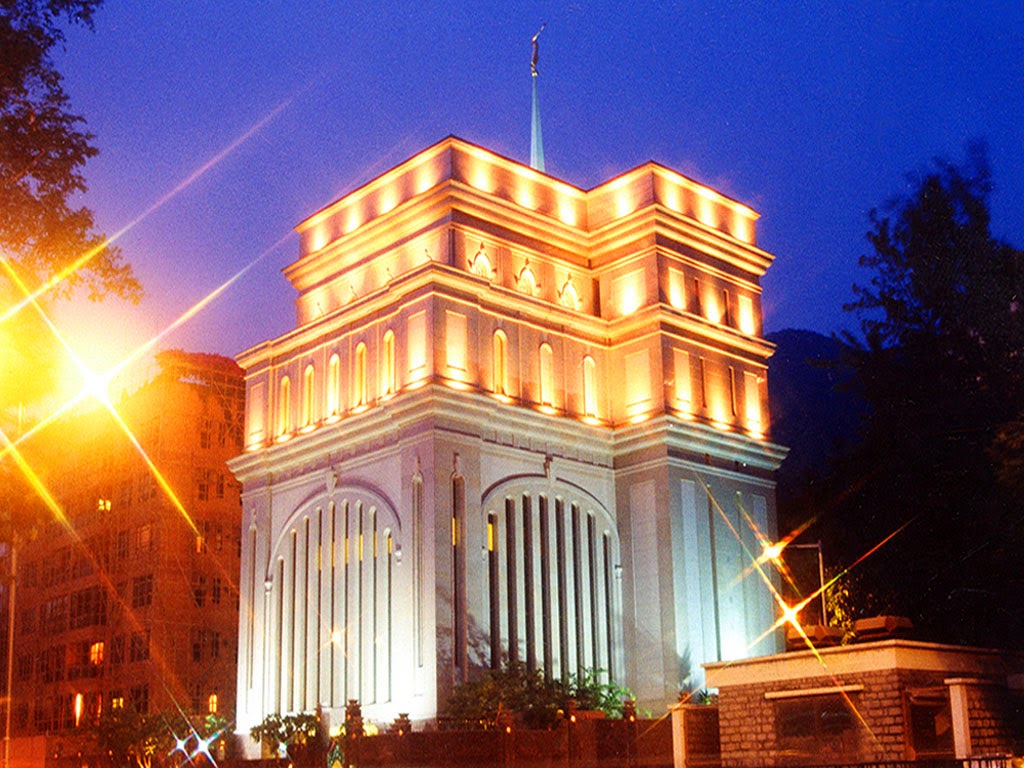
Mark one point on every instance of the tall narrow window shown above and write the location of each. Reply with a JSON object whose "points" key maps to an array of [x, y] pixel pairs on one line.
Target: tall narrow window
{"points": [[511, 578], [547, 375], [529, 595], [732, 389], [703, 384], [684, 394], [726, 308], [752, 400], [389, 363], [359, 379], [458, 569], [284, 412], [746, 315], [545, 586], [578, 590], [307, 396], [595, 613], [333, 385], [562, 589], [493, 589], [589, 387], [608, 604], [417, 563], [499, 362]]}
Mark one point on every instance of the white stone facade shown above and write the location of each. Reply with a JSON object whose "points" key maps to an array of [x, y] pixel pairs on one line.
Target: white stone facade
{"points": [[517, 420]]}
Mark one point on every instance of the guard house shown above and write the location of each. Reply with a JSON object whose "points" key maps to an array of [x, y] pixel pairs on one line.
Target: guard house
{"points": [[871, 702]]}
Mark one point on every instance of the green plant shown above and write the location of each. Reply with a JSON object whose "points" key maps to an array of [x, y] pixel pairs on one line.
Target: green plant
{"points": [[513, 690], [591, 691], [530, 698], [275, 730]]}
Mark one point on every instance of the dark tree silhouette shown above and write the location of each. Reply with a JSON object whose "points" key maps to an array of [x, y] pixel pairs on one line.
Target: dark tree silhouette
{"points": [[43, 149], [941, 370]]}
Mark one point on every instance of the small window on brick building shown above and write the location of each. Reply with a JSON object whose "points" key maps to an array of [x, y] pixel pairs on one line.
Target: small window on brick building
{"points": [[807, 727], [930, 726]]}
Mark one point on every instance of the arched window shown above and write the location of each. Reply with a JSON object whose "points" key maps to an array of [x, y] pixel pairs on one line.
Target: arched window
{"points": [[284, 412], [499, 362], [359, 379], [589, 387], [333, 385], [547, 375], [390, 384], [307, 396]]}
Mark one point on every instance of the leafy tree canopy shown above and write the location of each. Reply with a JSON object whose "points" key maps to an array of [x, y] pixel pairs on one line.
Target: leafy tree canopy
{"points": [[531, 698], [940, 366], [43, 148], [132, 738]]}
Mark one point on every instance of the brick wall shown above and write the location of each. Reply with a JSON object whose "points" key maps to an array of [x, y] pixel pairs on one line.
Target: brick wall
{"points": [[990, 716], [749, 732]]}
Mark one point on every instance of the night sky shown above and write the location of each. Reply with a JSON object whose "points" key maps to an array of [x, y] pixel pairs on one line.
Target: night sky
{"points": [[811, 113]]}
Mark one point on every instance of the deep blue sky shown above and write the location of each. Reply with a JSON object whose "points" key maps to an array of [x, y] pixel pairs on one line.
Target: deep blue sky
{"points": [[811, 113]]}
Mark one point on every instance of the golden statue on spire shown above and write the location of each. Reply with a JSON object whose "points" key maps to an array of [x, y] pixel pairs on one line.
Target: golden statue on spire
{"points": [[536, 50]]}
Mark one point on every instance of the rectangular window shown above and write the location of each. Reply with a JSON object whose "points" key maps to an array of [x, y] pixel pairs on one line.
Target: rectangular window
{"points": [[203, 485], [24, 665], [87, 608], [147, 487], [417, 344], [681, 373], [752, 400], [931, 724], [117, 649], [124, 494], [216, 589], [139, 699], [144, 538], [811, 726], [142, 591], [456, 336], [205, 433], [746, 319], [199, 591], [198, 638], [139, 647], [638, 382]]}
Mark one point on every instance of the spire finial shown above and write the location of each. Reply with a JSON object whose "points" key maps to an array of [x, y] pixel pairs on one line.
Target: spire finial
{"points": [[536, 141], [536, 50]]}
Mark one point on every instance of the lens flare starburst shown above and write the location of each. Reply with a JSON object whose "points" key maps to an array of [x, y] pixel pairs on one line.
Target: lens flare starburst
{"points": [[772, 553], [94, 387]]}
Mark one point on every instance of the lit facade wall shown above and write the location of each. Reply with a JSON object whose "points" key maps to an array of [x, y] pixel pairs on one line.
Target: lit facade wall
{"points": [[548, 402]]}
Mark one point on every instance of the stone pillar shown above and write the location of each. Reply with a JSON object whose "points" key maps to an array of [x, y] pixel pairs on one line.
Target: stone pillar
{"points": [[960, 715]]}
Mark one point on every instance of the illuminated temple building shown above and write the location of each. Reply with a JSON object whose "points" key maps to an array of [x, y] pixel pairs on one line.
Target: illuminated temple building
{"points": [[515, 421]]}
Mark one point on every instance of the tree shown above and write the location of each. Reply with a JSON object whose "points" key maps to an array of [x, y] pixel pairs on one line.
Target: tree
{"points": [[940, 366], [299, 733], [43, 149], [132, 738], [530, 698]]}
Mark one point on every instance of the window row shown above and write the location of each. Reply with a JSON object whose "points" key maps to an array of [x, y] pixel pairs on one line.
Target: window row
{"points": [[309, 413]]}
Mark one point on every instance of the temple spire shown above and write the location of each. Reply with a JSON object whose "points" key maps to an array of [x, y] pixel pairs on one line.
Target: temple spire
{"points": [[536, 140]]}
